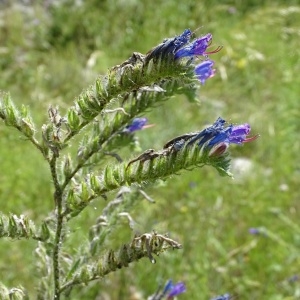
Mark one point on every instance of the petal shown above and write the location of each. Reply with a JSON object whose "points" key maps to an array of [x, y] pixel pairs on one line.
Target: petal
{"points": [[197, 47], [204, 70]]}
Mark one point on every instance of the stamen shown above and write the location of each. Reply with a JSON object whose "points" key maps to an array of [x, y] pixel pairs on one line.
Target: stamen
{"points": [[219, 48], [253, 138]]}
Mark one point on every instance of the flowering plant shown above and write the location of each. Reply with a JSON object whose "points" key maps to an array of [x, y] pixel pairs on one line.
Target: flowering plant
{"points": [[106, 117]]}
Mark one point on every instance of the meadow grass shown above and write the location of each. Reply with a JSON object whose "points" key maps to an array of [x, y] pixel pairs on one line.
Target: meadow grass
{"points": [[49, 54]]}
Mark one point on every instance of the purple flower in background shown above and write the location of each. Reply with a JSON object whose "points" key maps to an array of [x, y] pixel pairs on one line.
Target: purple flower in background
{"points": [[137, 124], [167, 287], [176, 289], [222, 297], [293, 278], [254, 231], [204, 70], [169, 291], [258, 231]]}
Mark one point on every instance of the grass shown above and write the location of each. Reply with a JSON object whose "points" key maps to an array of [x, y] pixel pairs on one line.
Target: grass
{"points": [[257, 82]]}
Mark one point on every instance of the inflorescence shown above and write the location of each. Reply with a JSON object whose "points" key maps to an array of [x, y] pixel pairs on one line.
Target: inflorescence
{"points": [[180, 48]]}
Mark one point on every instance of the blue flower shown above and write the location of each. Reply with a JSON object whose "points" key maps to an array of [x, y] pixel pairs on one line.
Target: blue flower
{"points": [[232, 135], [204, 70], [137, 124], [254, 231], [217, 137], [169, 291], [222, 297], [169, 46], [197, 47], [167, 287], [176, 289]]}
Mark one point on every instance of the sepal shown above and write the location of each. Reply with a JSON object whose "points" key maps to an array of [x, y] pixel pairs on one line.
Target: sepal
{"points": [[146, 245], [17, 227], [18, 293], [20, 119], [149, 167]]}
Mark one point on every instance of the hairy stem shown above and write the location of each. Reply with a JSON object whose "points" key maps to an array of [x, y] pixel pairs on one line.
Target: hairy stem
{"points": [[59, 225]]}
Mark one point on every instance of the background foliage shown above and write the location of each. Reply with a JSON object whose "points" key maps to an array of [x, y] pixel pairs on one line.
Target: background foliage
{"points": [[51, 50]]}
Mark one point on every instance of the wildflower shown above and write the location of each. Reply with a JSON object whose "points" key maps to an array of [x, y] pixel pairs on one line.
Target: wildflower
{"points": [[258, 231], [233, 135], [169, 291], [222, 297], [217, 137], [293, 278], [137, 124], [204, 70], [176, 289], [197, 47], [254, 231]]}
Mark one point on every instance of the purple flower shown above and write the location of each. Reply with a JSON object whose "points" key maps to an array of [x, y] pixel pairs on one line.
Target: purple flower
{"points": [[233, 135], [230, 135], [137, 124], [222, 297], [254, 231], [168, 46], [197, 47], [217, 137], [176, 289], [293, 278], [204, 70], [169, 291]]}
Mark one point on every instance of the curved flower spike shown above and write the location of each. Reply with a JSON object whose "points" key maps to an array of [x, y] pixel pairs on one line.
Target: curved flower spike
{"points": [[204, 70]]}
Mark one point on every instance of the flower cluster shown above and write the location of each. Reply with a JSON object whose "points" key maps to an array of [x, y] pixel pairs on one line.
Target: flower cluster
{"points": [[218, 137], [180, 47], [198, 47], [215, 138]]}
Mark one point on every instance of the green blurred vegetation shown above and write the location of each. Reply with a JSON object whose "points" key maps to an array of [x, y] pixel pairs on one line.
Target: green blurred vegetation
{"points": [[49, 52]]}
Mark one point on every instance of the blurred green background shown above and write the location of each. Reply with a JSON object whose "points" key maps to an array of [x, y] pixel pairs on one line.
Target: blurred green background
{"points": [[51, 50]]}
